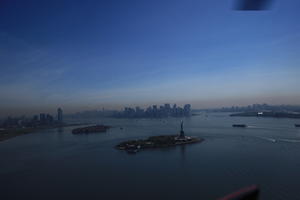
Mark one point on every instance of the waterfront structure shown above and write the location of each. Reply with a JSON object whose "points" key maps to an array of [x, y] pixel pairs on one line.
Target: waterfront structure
{"points": [[59, 115]]}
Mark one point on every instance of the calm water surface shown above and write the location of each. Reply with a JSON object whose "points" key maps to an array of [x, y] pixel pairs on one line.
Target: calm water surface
{"points": [[54, 164]]}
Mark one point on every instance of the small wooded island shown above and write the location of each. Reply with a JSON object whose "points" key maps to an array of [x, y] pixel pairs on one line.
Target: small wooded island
{"points": [[133, 146], [91, 129]]}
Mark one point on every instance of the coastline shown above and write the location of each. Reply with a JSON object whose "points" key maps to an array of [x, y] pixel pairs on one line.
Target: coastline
{"points": [[11, 133]]}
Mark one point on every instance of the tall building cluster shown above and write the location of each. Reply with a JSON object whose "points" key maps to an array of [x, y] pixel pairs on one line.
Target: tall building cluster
{"points": [[154, 111], [43, 119]]}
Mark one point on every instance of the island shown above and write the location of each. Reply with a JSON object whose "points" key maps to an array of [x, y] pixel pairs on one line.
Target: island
{"points": [[91, 129], [133, 146]]}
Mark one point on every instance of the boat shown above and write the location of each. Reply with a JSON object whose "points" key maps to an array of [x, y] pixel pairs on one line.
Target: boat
{"points": [[297, 125], [239, 125]]}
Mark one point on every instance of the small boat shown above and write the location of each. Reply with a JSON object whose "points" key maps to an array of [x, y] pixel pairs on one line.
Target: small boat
{"points": [[239, 125], [297, 125], [247, 193]]}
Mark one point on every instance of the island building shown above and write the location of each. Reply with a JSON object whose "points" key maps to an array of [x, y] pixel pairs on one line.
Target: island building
{"points": [[59, 115]]}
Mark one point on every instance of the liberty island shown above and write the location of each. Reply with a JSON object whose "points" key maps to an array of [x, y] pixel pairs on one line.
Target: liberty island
{"points": [[133, 146]]}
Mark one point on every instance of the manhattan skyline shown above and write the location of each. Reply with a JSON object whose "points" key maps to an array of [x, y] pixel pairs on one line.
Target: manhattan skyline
{"points": [[83, 55]]}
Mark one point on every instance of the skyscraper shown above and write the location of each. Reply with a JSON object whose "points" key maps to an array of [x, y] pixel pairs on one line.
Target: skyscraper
{"points": [[60, 115], [42, 118]]}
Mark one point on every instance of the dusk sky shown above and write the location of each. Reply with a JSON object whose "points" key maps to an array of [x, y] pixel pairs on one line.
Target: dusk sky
{"points": [[89, 54]]}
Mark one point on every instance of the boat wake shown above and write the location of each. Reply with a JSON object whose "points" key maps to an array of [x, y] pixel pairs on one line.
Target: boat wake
{"points": [[289, 140], [279, 139], [257, 127], [268, 139]]}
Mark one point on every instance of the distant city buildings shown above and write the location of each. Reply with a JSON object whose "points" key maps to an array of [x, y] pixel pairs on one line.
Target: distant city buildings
{"points": [[258, 108], [92, 114], [155, 112], [43, 119]]}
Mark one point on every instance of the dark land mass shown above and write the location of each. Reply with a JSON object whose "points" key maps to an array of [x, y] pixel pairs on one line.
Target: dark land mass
{"points": [[91, 129], [6, 134], [13, 132], [267, 114], [132, 146]]}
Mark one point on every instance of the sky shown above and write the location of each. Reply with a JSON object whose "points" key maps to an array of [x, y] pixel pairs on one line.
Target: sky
{"points": [[89, 54]]}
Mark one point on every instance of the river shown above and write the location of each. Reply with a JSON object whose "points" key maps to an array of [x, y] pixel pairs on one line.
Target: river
{"points": [[55, 164]]}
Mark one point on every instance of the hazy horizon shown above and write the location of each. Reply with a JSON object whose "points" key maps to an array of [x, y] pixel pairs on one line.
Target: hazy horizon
{"points": [[29, 112], [82, 55]]}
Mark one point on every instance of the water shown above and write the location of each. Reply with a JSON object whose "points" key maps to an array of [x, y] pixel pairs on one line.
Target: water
{"points": [[55, 164]]}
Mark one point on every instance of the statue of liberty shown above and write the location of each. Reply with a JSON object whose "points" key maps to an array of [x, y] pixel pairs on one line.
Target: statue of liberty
{"points": [[181, 130]]}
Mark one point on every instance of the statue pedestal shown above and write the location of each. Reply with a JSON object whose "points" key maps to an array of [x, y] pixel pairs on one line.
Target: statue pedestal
{"points": [[181, 134]]}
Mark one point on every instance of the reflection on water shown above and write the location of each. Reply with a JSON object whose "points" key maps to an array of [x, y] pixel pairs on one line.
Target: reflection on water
{"points": [[182, 150], [60, 129], [55, 164]]}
